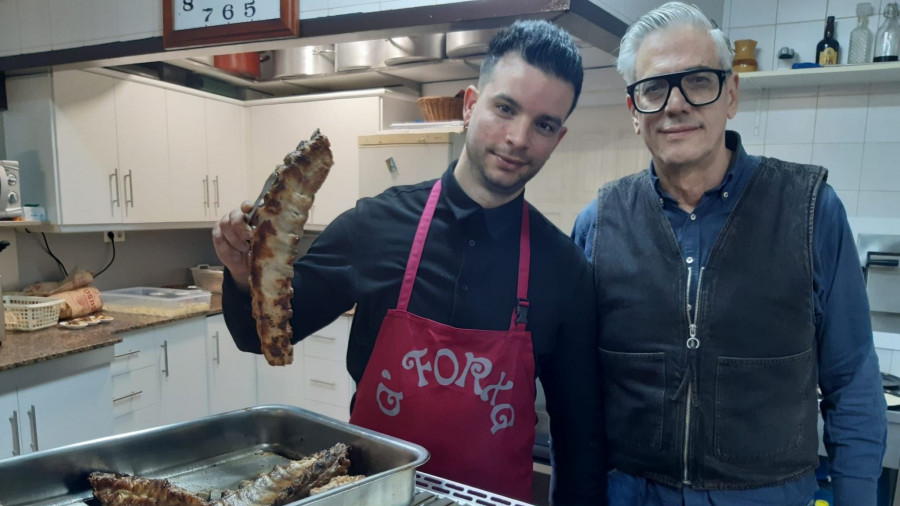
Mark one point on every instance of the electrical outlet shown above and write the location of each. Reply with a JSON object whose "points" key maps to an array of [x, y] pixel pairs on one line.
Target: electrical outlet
{"points": [[118, 235]]}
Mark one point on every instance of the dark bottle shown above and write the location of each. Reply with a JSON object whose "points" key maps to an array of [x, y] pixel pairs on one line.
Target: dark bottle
{"points": [[828, 51]]}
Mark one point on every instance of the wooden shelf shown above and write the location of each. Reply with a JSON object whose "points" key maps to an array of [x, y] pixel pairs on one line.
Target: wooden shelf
{"points": [[864, 73], [20, 224]]}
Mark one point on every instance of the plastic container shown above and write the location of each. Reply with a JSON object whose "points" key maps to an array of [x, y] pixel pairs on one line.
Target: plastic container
{"points": [[30, 313], [209, 277], [148, 300]]}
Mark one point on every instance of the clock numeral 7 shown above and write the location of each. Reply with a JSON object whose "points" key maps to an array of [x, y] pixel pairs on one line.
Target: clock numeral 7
{"points": [[208, 12]]}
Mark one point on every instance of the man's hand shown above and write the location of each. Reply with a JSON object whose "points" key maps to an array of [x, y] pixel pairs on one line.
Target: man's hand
{"points": [[231, 238]]}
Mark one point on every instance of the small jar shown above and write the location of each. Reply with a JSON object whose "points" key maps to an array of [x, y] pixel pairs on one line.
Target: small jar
{"points": [[744, 55]]}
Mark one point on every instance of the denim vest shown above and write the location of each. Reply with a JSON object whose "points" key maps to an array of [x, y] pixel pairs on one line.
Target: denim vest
{"points": [[717, 392]]}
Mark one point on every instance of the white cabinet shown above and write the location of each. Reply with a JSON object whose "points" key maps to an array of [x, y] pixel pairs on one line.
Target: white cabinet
{"points": [[90, 182], [159, 376], [206, 150], [282, 384], [97, 149], [226, 155], [318, 379], [187, 154], [231, 372], [183, 393], [56, 403], [143, 153], [276, 128], [112, 155]]}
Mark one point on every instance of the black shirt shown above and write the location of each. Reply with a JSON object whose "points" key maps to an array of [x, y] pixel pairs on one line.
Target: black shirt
{"points": [[466, 279]]}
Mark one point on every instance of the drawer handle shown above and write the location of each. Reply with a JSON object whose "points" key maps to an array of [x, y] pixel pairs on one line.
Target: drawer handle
{"points": [[32, 419], [130, 353], [165, 348], [324, 338], [129, 396], [216, 359], [14, 422], [323, 383]]}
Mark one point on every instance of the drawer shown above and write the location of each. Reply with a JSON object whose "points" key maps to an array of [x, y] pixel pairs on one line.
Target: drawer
{"points": [[341, 413], [137, 420], [134, 390], [136, 351], [329, 343], [327, 381]]}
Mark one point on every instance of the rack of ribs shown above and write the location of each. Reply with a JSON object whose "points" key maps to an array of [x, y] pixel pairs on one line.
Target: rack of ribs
{"points": [[279, 223]]}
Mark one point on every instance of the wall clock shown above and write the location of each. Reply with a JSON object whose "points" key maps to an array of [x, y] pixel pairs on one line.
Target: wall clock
{"points": [[207, 22]]}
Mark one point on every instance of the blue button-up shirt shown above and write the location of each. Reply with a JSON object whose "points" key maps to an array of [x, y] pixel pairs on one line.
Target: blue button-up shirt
{"points": [[853, 404]]}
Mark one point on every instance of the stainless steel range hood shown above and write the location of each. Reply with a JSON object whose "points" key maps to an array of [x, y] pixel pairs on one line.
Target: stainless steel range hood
{"points": [[598, 31]]}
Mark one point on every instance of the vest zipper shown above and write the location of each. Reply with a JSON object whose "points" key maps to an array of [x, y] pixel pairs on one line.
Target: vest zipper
{"points": [[692, 344]]}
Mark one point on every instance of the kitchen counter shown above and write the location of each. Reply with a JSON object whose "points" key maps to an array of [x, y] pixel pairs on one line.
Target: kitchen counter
{"points": [[25, 348]]}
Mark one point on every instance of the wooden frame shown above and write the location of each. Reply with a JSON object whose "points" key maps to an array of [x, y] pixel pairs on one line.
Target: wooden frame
{"points": [[288, 25]]}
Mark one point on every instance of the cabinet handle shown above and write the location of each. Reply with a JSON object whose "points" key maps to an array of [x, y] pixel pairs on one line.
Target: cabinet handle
{"points": [[32, 420], [165, 347], [324, 338], [206, 192], [216, 187], [323, 383], [129, 200], [216, 337], [130, 353], [14, 422], [114, 175], [132, 394]]}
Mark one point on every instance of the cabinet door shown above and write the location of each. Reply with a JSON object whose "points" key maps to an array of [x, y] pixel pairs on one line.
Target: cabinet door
{"points": [[9, 424], [65, 411], [90, 178], [226, 154], [283, 384], [183, 394], [277, 129], [143, 153], [191, 186], [232, 373]]}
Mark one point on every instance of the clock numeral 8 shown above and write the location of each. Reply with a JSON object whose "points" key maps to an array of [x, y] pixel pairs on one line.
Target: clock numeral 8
{"points": [[187, 5]]}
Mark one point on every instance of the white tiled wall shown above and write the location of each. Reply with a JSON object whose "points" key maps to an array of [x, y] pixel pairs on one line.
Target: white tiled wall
{"points": [[797, 24]]}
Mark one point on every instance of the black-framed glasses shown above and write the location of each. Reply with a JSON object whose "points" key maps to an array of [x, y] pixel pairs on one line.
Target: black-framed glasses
{"points": [[701, 86]]}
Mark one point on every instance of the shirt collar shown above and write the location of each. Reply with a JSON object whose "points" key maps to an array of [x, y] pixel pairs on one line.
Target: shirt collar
{"points": [[497, 220], [736, 168]]}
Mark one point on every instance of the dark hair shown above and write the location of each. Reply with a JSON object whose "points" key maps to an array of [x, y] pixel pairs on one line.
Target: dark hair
{"points": [[541, 44]]}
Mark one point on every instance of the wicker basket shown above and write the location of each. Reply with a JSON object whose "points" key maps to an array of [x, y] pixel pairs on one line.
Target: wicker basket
{"points": [[30, 313], [441, 108]]}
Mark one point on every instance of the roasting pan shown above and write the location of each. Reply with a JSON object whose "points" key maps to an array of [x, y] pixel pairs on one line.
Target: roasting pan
{"points": [[217, 453]]}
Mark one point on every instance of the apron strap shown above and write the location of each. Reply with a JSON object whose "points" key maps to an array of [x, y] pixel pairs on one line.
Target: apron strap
{"points": [[519, 319], [520, 314], [418, 245]]}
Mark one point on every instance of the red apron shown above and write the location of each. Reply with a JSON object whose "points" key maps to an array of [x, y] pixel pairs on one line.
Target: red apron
{"points": [[466, 395]]}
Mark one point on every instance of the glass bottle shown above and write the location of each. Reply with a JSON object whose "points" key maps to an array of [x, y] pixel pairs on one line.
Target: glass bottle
{"points": [[828, 50], [861, 37], [887, 40]]}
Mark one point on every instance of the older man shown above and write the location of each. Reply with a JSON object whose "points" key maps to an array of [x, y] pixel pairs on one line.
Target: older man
{"points": [[729, 288]]}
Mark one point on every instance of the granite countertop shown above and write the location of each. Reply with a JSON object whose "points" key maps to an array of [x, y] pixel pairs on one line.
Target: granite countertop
{"points": [[25, 348]]}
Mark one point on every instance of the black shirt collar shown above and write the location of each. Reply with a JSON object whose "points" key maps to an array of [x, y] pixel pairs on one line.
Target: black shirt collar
{"points": [[497, 220]]}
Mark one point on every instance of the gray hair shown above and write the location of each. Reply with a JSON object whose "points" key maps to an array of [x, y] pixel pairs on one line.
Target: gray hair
{"points": [[672, 14]]}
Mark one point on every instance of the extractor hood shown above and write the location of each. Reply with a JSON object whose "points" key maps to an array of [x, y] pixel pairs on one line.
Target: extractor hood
{"points": [[597, 31]]}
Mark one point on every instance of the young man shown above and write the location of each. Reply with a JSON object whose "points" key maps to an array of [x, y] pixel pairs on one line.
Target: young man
{"points": [[447, 358], [728, 289]]}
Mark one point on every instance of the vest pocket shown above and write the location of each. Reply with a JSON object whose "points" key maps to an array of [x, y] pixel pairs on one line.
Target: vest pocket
{"points": [[761, 406], [634, 389]]}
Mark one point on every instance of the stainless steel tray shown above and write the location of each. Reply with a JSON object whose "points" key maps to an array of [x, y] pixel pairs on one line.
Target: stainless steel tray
{"points": [[216, 453]]}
